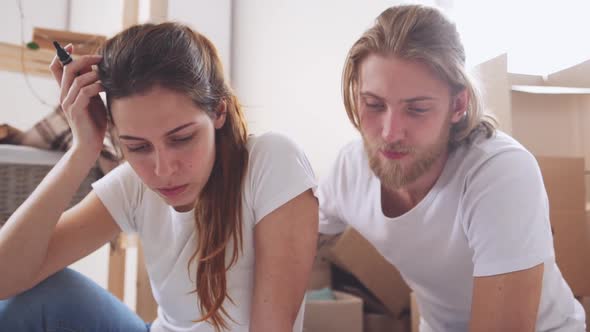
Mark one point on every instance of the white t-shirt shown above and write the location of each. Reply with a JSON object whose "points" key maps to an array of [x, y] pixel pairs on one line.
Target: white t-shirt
{"points": [[487, 214], [278, 171]]}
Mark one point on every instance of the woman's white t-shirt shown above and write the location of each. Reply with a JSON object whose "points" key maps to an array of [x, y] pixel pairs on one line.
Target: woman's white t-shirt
{"points": [[487, 214], [278, 171]]}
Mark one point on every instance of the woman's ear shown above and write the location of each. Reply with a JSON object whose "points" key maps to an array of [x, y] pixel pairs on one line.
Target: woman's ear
{"points": [[459, 105], [220, 115]]}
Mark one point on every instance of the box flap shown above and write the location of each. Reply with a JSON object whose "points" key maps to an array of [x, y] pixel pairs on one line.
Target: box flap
{"points": [[355, 254]]}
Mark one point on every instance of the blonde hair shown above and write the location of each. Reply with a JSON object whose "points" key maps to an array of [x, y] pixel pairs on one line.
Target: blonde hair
{"points": [[423, 34]]}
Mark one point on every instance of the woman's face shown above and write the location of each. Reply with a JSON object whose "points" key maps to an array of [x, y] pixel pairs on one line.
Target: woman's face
{"points": [[168, 141]]}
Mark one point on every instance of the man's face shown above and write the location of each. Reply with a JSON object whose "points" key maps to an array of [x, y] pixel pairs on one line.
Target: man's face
{"points": [[406, 113]]}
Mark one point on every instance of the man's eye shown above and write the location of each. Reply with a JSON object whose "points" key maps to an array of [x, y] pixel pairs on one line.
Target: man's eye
{"points": [[418, 110], [138, 148], [375, 106]]}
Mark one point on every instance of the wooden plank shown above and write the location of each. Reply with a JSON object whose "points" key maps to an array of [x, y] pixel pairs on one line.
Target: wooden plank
{"points": [[414, 313], [116, 280], [145, 306], [83, 43], [36, 62]]}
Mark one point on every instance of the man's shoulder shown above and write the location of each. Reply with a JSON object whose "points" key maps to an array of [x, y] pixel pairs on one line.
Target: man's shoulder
{"points": [[500, 152], [485, 148]]}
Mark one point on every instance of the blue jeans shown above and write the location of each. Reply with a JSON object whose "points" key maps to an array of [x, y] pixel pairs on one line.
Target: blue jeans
{"points": [[68, 301]]}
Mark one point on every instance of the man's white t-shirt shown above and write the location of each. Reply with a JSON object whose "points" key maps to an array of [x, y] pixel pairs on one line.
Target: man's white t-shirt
{"points": [[487, 214], [278, 171]]}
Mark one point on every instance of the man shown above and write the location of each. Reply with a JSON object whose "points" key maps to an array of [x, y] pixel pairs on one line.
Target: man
{"points": [[456, 205]]}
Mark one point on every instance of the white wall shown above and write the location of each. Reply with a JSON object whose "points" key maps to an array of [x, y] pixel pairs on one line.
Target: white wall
{"points": [[19, 107], [104, 17], [287, 60], [211, 18]]}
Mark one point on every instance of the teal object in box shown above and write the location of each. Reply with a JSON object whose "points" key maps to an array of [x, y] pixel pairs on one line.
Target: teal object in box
{"points": [[324, 294]]}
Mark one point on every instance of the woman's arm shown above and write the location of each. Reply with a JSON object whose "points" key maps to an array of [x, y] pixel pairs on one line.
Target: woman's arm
{"points": [[507, 302], [32, 247], [285, 245], [26, 239]]}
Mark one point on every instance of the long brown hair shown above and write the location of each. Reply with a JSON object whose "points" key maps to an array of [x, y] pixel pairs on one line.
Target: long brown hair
{"points": [[177, 58], [424, 34]]}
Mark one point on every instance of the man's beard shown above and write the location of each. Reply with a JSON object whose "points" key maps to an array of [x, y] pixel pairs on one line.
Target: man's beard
{"points": [[391, 172]]}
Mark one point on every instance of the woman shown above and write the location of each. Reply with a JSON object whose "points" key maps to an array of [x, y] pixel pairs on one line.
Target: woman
{"points": [[226, 219]]}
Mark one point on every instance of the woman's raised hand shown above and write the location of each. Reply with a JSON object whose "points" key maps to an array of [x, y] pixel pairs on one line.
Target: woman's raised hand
{"points": [[79, 99]]}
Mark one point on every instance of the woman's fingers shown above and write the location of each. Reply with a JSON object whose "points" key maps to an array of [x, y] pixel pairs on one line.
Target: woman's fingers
{"points": [[73, 69], [56, 67], [79, 83], [86, 93]]}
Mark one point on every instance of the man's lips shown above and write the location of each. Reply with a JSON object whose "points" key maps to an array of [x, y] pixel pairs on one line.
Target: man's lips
{"points": [[172, 191], [395, 155]]}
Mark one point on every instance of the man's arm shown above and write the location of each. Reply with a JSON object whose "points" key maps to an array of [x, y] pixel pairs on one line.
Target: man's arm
{"points": [[507, 302]]}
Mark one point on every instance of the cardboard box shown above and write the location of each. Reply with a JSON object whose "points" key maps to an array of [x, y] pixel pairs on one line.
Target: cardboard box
{"points": [[353, 253], [345, 314], [564, 182], [373, 322], [550, 116]]}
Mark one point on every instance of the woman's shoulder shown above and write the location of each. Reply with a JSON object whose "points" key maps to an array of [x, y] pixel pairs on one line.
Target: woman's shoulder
{"points": [[278, 171], [276, 155], [269, 140], [272, 146]]}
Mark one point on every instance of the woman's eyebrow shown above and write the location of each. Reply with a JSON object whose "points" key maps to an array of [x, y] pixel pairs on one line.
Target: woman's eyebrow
{"points": [[170, 132]]}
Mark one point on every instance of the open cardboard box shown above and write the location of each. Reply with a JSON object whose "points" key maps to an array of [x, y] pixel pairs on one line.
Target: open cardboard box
{"points": [[353, 253], [344, 314], [373, 322], [550, 116], [564, 181]]}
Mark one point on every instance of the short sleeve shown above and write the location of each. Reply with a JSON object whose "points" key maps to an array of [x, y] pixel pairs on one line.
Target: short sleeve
{"points": [[120, 191], [278, 172], [330, 198], [507, 214]]}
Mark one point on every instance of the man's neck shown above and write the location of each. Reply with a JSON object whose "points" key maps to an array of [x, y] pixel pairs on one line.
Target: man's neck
{"points": [[396, 202]]}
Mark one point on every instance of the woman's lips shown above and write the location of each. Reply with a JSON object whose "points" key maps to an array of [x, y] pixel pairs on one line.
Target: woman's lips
{"points": [[395, 155], [172, 192]]}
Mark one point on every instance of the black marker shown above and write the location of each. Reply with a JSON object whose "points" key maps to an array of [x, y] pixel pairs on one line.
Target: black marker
{"points": [[63, 55]]}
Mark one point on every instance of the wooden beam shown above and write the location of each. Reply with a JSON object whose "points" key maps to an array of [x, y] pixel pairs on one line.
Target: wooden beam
{"points": [[158, 11], [130, 13], [16, 58], [116, 282], [83, 43], [146, 307]]}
